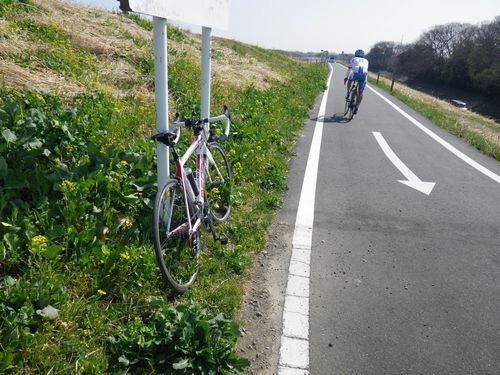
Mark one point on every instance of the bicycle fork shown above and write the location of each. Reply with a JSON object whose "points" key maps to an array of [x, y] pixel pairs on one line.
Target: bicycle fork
{"points": [[198, 212]]}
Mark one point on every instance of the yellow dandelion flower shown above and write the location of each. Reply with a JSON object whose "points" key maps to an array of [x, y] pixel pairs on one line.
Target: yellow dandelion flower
{"points": [[238, 168], [39, 243], [67, 185], [101, 292], [125, 255]]}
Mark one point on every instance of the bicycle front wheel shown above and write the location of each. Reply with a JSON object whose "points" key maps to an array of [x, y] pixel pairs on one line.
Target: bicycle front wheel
{"points": [[177, 253], [219, 184]]}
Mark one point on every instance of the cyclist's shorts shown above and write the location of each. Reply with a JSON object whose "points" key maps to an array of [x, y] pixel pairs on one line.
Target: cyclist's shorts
{"points": [[361, 77]]}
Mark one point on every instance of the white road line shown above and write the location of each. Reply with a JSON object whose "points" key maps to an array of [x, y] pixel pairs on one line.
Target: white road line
{"points": [[411, 178], [294, 350], [441, 141]]}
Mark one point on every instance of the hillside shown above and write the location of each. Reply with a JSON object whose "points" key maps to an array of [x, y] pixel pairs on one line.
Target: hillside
{"points": [[59, 47], [79, 288]]}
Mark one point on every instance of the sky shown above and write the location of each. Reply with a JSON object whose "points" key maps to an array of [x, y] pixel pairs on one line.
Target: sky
{"points": [[337, 26]]}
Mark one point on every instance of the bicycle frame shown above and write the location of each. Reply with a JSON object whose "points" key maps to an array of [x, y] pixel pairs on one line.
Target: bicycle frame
{"points": [[185, 202], [203, 157], [354, 87], [180, 173]]}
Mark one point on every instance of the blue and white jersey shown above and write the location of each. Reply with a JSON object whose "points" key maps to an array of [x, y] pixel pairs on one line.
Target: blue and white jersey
{"points": [[359, 66]]}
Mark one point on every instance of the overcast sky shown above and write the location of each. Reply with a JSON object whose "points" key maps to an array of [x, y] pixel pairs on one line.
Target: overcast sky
{"points": [[334, 25]]}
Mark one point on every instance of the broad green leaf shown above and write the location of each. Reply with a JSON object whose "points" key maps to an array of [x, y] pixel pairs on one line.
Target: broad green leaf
{"points": [[124, 361], [3, 166], [52, 251], [203, 330], [33, 145], [3, 252], [239, 363], [181, 364], [9, 136], [156, 301], [12, 241]]}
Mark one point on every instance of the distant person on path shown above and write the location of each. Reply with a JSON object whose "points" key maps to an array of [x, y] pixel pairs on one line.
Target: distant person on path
{"points": [[357, 71]]}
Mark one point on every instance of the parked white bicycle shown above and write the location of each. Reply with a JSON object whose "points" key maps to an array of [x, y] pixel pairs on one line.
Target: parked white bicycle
{"points": [[191, 200]]}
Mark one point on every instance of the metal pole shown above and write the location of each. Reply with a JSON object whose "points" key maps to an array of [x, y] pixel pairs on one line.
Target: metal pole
{"points": [[205, 72], [161, 93]]}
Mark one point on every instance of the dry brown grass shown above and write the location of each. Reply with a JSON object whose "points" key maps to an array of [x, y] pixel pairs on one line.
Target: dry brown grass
{"points": [[467, 121], [13, 75], [110, 39], [238, 71]]}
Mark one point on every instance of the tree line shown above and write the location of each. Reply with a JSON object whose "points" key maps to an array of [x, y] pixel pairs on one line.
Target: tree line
{"points": [[457, 54]]}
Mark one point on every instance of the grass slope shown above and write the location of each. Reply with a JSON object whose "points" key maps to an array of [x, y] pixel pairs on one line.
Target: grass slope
{"points": [[79, 288], [479, 131]]}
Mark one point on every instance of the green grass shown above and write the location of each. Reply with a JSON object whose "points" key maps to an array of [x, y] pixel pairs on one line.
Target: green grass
{"points": [[77, 180], [447, 120], [9, 7], [43, 33]]}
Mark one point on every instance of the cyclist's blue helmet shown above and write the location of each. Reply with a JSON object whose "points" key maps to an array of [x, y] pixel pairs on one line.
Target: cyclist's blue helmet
{"points": [[359, 53]]}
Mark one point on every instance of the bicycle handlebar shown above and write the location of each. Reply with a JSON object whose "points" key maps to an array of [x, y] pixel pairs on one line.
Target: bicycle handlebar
{"points": [[171, 136], [198, 124]]}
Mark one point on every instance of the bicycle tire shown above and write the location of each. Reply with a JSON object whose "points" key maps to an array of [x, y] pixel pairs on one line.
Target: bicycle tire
{"points": [[347, 101], [219, 193], [177, 255], [352, 104]]}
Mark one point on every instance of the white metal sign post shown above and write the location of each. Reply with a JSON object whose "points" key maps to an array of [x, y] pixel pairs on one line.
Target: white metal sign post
{"points": [[206, 13], [206, 37], [161, 94]]}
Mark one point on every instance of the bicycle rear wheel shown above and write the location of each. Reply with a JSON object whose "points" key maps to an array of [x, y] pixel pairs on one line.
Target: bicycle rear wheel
{"points": [[177, 255], [347, 101], [219, 184], [352, 104]]}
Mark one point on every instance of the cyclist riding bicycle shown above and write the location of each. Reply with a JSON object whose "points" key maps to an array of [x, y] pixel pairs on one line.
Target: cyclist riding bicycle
{"points": [[357, 71]]}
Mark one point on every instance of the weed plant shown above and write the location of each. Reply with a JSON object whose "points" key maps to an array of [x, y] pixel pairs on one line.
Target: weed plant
{"points": [[80, 291]]}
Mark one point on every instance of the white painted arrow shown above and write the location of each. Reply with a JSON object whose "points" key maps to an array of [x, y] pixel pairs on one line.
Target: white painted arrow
{"points": [[411, 178]]}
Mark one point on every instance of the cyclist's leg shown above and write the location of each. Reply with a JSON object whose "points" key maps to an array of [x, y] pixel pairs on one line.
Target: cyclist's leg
{"points": [[349, 84], [360, 96], [361, 88]]}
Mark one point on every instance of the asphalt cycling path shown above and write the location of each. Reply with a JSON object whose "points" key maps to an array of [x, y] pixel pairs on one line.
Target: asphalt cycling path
{"points": [[401, 281]]}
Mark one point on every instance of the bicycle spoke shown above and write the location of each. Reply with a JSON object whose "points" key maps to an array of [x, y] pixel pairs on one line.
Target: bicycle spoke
{"points": [[175, 257], [219, 182]]}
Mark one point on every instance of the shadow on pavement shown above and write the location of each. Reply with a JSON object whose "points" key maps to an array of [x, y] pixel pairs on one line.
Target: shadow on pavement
{"points": [[337, 118]]}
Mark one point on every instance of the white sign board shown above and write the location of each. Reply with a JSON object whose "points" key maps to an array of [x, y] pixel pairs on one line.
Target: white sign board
{"points": [[208, 13]]}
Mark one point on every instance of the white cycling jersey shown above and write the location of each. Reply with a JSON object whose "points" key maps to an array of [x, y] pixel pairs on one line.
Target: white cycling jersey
{"points": [[358, 65]]}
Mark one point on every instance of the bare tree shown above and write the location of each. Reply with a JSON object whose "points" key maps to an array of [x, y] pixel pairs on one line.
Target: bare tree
{"points": [[444, 38], [380, 55]]}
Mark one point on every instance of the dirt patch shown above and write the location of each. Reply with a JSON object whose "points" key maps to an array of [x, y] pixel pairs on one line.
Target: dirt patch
{"points": [[262, 310]]}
